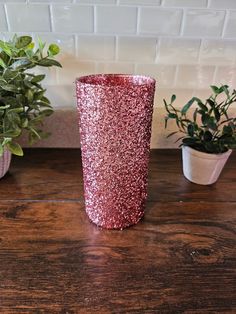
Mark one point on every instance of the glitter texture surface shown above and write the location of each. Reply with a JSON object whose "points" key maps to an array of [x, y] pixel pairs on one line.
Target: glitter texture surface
{"points": [[115, 115]]}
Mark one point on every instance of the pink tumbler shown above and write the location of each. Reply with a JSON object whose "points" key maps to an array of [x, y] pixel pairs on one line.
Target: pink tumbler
{"points": [[115, 116]]}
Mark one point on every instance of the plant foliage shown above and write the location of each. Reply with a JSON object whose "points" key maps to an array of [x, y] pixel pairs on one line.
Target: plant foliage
{"points": [[208, 128], [23, 104]]}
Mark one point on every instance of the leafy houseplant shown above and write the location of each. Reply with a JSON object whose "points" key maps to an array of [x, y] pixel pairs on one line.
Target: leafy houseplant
{"points": [[208, 131], [23, 104]]}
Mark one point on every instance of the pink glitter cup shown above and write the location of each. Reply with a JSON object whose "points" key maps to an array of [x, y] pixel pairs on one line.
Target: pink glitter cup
{"points": [[115, 115]]}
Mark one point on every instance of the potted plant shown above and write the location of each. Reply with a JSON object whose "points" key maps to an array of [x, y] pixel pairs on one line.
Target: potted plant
{"points": [[23, 104], [208, 133]]}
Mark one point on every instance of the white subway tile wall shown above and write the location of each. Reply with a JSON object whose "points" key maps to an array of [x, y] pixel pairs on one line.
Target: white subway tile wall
{"points": [[3, 21], [186, 45], [160, 21]]}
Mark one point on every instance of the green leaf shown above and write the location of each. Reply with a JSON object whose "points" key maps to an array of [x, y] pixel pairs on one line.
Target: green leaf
{"points": [[187, 106], [207, 136], [6, 140], [23, 41], [45, 99], [10, 101], [38, 78], [29, 94], [211, 102], [15, 148], [8, 87], [211, 147], [17, 110], [47, 112], [2, 63], [195, 115], [48, 63], [166, 122], [12, 133], [5, 47], [53, 50], [222, 88], [5, 58], [10, 74], [33, 136], [226, 89], [190, 129], [43, 104], [21, 63], [189, 141], [205, 118], [173, 98], [1, 149], [39, 95], [215, 89], [41, 44], [217, 114], [227, 130], [24, 123], [4, 107], [166, 106], [212, 124], [201, 105], [31, 46], [172, 115]]}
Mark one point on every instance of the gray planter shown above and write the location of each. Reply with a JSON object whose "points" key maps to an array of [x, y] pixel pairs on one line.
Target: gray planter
{"points": [[5, 161]]}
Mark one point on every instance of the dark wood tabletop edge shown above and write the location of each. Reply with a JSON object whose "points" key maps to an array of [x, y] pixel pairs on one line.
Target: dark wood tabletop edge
{"points": [[81, 201]]}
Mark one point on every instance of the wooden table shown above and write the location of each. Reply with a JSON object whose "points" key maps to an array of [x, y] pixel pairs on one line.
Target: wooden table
{"points": [[181, 258]]}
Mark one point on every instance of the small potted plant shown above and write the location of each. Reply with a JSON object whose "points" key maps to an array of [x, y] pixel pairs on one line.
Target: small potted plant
{"points": [[208, 133], [23, 104]]}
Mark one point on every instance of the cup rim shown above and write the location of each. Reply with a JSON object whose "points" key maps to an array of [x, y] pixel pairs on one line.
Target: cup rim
{"points": [[87, 80]]}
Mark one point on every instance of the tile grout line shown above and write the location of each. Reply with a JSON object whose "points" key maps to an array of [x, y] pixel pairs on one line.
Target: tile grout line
{"points": [[51, 18], [182, 26], [6, 16], [225, 23]]}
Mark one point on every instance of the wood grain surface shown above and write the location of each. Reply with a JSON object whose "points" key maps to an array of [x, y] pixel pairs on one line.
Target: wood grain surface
{"points": [[181, 258]]}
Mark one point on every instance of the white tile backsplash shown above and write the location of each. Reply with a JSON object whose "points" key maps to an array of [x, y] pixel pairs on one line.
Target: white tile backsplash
{"points": [[194, 76], [225, 75], [73, 68], [116, 19], [3, 21], [178, 51], [185, 44], [115, 67], [141, 2], [185, 3], [28, 17], [72, 18], [136, 49], [222, 4], [164, 74], [230, 30], [95, 1], [160, 21], [49, 1], [7, 1], [218, 52], [96, 47], [201, 23]]}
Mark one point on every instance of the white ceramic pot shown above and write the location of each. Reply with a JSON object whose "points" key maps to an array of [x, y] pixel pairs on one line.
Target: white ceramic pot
{"points": [[5, 161], [203, 168]]}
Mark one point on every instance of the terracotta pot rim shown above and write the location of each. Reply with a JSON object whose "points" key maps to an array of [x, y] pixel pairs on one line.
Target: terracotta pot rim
{"points": [[204, 155]]}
